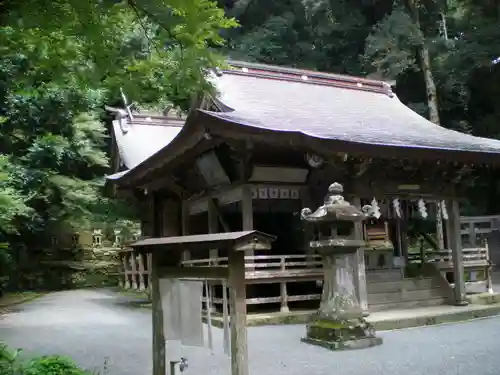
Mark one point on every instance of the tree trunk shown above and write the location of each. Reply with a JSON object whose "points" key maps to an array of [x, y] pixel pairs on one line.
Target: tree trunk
{"points": [[430, 86], [425, 65]]}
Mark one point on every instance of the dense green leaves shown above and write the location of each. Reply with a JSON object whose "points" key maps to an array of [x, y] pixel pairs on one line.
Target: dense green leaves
{"points": [[61, 62]]}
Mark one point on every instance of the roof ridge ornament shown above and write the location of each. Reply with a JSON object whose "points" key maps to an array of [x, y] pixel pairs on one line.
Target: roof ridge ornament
{"points": [[126, 105]]}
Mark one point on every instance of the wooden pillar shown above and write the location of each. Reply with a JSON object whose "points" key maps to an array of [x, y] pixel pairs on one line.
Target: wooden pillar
{"points": [[133, 266], [283, 291], [185, 230], [149, 266], [213, 227], [439, 226], [239, 350], [127, 284], [472, 234], [142, 273], [359, 266], [159, 354], [247, 212], [455, 243]]}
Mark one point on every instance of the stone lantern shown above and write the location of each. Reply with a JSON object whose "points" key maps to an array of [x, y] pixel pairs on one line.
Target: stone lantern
{"points": [[339, 322]]}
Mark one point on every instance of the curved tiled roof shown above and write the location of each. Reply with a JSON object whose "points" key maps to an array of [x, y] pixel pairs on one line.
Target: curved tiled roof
{"points": [[336, 107]]}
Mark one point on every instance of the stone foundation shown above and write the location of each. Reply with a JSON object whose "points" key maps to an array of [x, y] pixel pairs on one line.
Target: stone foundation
{"points": [[354, 333]]}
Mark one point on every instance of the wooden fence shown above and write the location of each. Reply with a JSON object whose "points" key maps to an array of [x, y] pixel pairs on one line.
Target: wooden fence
{"points": [[286, 269]]}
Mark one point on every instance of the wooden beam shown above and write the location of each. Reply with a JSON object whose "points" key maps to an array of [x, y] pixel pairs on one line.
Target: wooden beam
{"points": [[212, 273], [159, 367], [250, 246], [239, 350], [167, 182], [225, 195]]}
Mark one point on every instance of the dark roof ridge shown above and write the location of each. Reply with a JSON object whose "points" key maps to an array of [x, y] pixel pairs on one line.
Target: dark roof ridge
{"points": [[383, 88], [294, 74]]}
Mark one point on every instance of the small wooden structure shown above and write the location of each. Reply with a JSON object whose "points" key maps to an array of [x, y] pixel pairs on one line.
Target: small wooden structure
{"points": [[166, 256], [242, 162]]}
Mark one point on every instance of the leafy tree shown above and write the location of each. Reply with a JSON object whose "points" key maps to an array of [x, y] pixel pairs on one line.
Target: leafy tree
{"points": [[61, 62]]}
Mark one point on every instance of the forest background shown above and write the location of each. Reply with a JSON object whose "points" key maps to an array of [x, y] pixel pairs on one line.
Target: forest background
{"points": [[62, 61]]}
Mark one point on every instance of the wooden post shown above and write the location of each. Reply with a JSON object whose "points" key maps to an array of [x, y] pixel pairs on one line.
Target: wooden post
{"points": [[133, 266], [213, 227], [489, 281], [247, 212], [149, 265], [283, 291], [159, 354], [455, 242], [439, 226], [127, 284], [142, 274], [121, 278], [239, 351], [472, 234]]}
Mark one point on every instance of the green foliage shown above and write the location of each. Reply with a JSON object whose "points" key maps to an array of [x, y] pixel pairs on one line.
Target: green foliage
{"points": [[61, 62], [390, 48], [11, 364], [52, 365]]}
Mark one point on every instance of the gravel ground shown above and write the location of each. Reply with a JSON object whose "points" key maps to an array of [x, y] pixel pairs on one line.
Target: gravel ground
{"points": [[94, 326]]}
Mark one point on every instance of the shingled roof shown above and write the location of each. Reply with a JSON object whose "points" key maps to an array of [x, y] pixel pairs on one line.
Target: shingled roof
{"points": [[346, 112], [330, 106]]}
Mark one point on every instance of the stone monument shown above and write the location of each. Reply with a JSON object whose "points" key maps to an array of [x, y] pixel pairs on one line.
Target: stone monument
{"points": [[340, 321]]}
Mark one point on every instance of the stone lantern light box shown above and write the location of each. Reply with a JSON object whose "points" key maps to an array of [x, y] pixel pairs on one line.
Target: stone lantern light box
{"points": [[340, 321]]}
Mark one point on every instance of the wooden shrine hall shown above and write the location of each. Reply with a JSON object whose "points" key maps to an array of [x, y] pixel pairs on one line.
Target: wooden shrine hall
{"points": [[269, 142]]}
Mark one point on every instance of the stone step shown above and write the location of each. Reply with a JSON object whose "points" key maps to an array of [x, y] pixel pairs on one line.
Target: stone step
{"points": [[406, 295], [436, 301], [397, 285], [383, 275]]}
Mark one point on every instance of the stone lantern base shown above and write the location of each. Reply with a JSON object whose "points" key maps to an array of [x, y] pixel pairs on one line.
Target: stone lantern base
{"points": [[353, 333]]}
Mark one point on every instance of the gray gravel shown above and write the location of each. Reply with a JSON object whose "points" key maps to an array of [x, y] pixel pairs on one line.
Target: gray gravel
{"points": [[94, 326]]}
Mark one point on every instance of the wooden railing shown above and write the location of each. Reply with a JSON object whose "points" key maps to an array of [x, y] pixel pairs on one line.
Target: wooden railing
{"points": [[286, 269], [475, 260], [282, 269], [135, 270], [475, 229]]}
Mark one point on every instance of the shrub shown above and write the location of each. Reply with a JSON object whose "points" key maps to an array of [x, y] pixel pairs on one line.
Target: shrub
{"points": [[10, 364], [52, 365]]}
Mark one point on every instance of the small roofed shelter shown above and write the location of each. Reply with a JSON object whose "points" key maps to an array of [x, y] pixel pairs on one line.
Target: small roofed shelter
{"points": [[270, 140], [166, 253]]}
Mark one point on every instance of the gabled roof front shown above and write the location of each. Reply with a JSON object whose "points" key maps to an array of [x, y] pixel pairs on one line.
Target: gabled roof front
{"points": [[139, 138], [329, 106]]}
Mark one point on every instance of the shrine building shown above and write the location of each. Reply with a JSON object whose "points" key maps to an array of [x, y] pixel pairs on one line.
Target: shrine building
{"points": [[267, 143]]}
